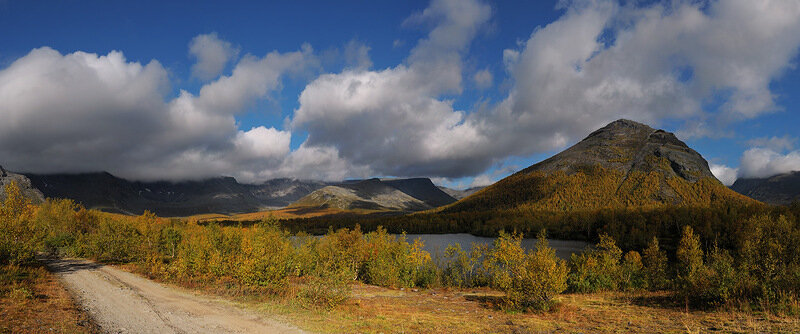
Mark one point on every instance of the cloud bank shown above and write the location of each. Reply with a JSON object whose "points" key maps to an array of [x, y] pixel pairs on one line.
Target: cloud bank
{"points": [[704, 64]]}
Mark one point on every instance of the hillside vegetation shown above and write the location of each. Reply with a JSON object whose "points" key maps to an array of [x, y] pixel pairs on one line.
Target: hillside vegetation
{"points": [[760, 271]]}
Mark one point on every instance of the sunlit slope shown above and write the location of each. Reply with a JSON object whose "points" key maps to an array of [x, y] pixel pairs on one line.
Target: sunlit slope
{"points": [[622, 165]]}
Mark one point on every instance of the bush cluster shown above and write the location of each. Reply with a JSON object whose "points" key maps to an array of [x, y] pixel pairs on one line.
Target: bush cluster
{"points": [[761, 269]]}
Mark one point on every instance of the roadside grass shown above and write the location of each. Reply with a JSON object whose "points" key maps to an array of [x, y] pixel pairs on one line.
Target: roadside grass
{"points": [[32, 300], [373, 309]]}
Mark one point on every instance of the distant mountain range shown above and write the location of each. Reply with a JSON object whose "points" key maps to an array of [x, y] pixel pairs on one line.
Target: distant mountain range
{"points": [[622, 165], [381, 195], [779, 189], [225, 195]]}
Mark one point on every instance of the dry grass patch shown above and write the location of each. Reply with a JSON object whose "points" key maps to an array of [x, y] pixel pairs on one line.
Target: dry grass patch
{"points": [[32, 300]]}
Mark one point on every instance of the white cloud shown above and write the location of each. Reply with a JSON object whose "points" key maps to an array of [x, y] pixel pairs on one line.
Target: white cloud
{"points": [[598, 62], [482, 180], [212, 55], [763, 162], [392, 120], [661, 62], [724, 174], [483, 79], [86, 112]]}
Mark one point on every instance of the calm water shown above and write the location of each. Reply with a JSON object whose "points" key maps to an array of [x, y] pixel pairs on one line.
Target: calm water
{"points": [[437, 243]]}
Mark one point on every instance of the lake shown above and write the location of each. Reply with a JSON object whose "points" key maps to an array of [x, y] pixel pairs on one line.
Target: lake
{"points": [[437, 243]]}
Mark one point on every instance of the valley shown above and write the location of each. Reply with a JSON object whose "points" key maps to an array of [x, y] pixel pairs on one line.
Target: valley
{"points": [[625, 226]]}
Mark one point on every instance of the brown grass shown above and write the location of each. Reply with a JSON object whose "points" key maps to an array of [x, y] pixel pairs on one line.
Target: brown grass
{"points": [[374, 310], [32, 300]]}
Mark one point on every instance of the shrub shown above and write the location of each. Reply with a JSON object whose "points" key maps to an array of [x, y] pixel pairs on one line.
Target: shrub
{"points": [[462, 269], [394, 262], [18, 237], [530, 280], [691, 280], [265, 258], [596, 269], [655, 266], [631, 273]]}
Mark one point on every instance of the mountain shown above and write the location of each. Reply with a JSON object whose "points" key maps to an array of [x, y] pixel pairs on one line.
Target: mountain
{"points": [[459, 194], [380, 195], [622, 165], [224, 195], [779, 189], [23, 183]]}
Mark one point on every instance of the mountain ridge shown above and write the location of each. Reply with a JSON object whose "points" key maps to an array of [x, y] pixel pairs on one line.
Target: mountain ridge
{"points": [[780, 189]]}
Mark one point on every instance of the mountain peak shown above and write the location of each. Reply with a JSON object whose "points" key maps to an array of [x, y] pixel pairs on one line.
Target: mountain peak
{"points": [[625, 146], [623, 164]]}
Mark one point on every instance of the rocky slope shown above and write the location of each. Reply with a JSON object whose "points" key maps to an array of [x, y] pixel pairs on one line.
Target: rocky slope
{"points": [[23, 183], [781, 189], [624, 164], [381, 195]]}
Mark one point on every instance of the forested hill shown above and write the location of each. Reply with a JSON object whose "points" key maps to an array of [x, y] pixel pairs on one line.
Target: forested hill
{"points": [[622, 165]]}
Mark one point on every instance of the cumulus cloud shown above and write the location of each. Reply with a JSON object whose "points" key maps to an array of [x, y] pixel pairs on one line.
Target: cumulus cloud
{"points": [[212, 55], [704, 64], [598, 62], [86, 112], [393, 120], [724, 174], [601, 61], [764, 162]]}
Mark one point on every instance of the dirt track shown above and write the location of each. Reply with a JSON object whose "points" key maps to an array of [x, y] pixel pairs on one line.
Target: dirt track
{"points": [[122, 302]]}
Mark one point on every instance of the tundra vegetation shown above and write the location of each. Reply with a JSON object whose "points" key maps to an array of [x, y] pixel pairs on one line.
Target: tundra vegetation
{"points": [[756, 268]]}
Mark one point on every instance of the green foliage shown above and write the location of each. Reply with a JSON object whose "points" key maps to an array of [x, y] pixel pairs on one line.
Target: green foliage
{"points": [[18, 237], [631, 272], [462, 269], [528, 279], [596, 269], [393, 262], [655, 266], [265, 258], [691, 271]]}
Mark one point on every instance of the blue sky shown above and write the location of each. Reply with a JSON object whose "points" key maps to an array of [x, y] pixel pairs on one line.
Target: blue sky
{"points": [[462, 90]]}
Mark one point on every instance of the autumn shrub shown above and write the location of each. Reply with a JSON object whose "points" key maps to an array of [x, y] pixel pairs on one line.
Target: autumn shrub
{"points": [[631, 272], [391, 261], [115, 241], [597, 268], [529, 279], [18, 236], [463, 269], [265, 258], [769, 262], [655, 264]]}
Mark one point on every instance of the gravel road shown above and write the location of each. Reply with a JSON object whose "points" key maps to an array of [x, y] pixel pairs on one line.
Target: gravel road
{"points": [[122, 302]]}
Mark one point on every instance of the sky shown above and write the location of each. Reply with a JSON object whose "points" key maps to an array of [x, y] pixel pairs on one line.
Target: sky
{"points": [[462, 91]]}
